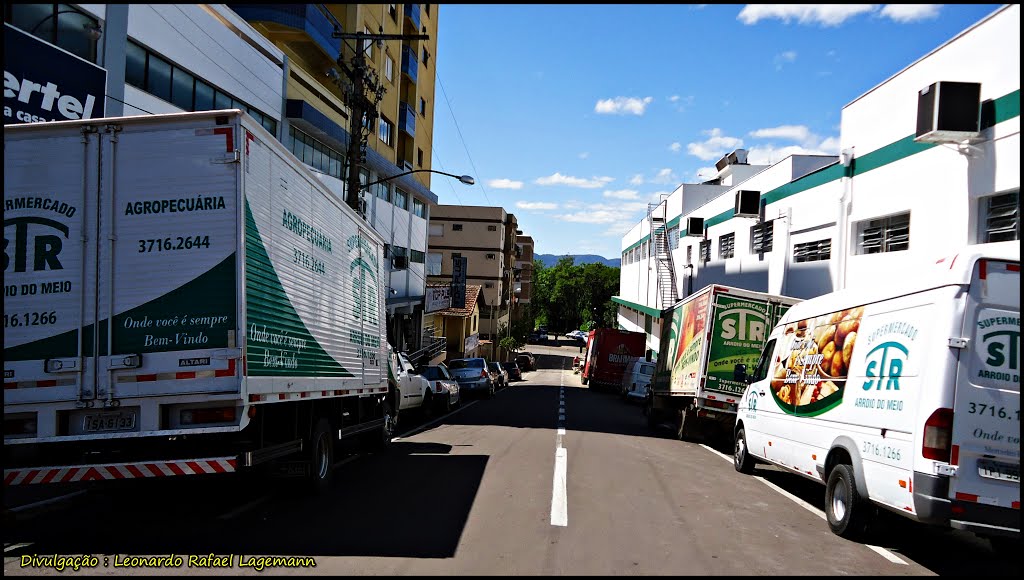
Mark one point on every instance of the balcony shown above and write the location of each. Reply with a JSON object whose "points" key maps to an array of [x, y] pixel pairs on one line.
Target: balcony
{"points": [[311, 23], [407, 119], [412, 12], [410, 64]]}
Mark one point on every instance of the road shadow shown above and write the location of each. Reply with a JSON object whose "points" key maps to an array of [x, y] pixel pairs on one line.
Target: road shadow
{"points": [[412, 501]]}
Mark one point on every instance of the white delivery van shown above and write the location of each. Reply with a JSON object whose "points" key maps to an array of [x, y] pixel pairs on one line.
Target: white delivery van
{"points": [[903, 398], [636, 379]]}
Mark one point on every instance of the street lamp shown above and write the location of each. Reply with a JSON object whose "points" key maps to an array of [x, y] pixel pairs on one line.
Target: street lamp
{"points": [[467, 179]]}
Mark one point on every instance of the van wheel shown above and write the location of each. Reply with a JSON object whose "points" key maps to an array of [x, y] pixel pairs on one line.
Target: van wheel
{"points": [[321, 458], [741, 459], [847, 512]]}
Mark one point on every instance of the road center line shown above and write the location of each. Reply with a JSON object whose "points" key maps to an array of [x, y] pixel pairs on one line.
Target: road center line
{"points": [[559, 497], [880, 551]]}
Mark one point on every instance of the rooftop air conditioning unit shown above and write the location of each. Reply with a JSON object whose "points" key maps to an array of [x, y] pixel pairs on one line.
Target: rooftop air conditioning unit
{"points": [[748, 204], [695, 227], [400, 262], [948, 112]]}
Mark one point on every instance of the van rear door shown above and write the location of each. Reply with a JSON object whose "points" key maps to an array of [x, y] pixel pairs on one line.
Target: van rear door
{"points": [[986, 413]]}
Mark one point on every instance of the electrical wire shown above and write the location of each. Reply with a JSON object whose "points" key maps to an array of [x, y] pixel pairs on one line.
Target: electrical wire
{"points": [[457, 128]]}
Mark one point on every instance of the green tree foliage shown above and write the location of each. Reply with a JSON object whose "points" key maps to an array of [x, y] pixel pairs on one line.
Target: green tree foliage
{"points": [[568, 296]]}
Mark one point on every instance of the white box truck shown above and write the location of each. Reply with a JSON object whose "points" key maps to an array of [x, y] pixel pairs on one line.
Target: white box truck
{"points": [[904, 396], [181, 297], [703, 337]]}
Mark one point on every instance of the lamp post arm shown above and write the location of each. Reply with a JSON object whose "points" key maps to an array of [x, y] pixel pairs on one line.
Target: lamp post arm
{"points": [[459, 177]]}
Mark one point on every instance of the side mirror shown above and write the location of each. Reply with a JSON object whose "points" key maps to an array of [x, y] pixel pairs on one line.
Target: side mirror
{"points": [[739, 373]]}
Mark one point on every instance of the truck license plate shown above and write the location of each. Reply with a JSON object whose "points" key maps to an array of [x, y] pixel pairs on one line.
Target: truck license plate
{"points": [[102, 422], [996, 470]]}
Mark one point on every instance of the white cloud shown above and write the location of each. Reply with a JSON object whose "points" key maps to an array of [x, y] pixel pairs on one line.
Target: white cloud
{"points": [[674, 98], [715, 146], [706, 173], [665, 176], [505, 184], [536, 205], [637, 179], [823, 14], [559, 179], [603, 213], [623, 105], [619, 229], [622, 193], [572, 204], [798, 133], [675, 147], [584, 155], [783, 58], [904, 13]]}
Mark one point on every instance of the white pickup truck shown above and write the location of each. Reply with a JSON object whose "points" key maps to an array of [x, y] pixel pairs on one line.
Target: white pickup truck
{"points": [[413, 388]]}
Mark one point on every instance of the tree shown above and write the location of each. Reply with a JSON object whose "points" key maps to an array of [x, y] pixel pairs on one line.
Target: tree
{"points": [[569, 296]]}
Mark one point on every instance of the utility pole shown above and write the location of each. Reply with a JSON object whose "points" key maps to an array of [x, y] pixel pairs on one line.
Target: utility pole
{"points": [[362, 92]]}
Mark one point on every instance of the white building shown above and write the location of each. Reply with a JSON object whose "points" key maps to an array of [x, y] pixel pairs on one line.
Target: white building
{"points": [[901, 197]]}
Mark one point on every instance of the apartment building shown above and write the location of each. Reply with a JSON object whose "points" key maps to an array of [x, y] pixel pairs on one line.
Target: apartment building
{"points": [[523, 289], [486, 237], [317, 125], [907, 188]]}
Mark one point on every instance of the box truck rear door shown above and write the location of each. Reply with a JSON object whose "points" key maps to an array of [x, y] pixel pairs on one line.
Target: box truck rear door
{"points": [[986, 413]]}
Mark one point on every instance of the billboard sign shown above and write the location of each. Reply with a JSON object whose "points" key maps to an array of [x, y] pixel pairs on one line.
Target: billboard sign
{"points": [[45, 83], [438, 298]]}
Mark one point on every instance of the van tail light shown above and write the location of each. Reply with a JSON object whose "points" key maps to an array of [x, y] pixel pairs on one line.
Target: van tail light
{"points": [[483, 374], [938, 435], [438, 387]]}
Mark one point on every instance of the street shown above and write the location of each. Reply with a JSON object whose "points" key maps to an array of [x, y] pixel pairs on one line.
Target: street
{"points": [[479, 492]]}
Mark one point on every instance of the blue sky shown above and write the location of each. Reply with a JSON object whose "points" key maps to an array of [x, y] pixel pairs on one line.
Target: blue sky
{"points": [[574, 117]]}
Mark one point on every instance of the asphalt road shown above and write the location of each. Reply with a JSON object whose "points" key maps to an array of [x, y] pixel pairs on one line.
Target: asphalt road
{"points": [[546, 478]]}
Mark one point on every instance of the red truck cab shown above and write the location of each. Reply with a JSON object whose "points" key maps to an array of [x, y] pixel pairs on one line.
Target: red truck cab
{"points": [[608, 352]]}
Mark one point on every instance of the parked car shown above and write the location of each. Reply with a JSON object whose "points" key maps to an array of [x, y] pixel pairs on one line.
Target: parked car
{"points": [[412, 387], [526, 361], [514, 372], [636, 379], [576, 335], [445, 388], [472, 374], [496, 367]]}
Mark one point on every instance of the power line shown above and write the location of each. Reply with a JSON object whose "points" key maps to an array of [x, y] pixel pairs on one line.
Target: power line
{"points": [[457, 128]]}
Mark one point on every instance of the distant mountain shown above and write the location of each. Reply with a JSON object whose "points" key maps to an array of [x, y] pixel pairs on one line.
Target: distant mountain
{"points": [[550, 260]]}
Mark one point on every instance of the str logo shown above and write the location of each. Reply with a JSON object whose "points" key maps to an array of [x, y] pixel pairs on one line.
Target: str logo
{"points": [[1002, 348], [364, 282], [45, 246], [886, 367], [742, 324]]}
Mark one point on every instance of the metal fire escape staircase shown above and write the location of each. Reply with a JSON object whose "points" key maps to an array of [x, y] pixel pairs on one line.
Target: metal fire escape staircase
{"points": [[661, 254]]}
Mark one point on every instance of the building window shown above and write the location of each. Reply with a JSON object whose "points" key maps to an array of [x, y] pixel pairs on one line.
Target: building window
{"points": [[492, 228], [401, 199], [386, 130], [488, 284], [813, 251], [419, 209], [159, 77], [426, 56], [490, 256], [393, 12], [383, 191], [456, 227], [433, 265], [423, 107], [643, 251], [368, 44], [689, 254], [426, 9], [389, 68], [436, 230], [673, 238], [1000, 215], [315, 154], [727, 246], [416, 256], [705, 250], [456, 256], [419, 157], [58, 24], [888, 234], [761, 238]]}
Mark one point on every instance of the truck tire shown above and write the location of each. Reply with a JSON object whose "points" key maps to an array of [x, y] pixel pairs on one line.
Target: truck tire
{"points": [[321, 457], [387, 430], [846, 511], [741, 459]]}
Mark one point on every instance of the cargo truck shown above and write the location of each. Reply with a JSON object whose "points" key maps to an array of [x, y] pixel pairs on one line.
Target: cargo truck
{"points": [[608, 351], [703, 338], [182, 296]]}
